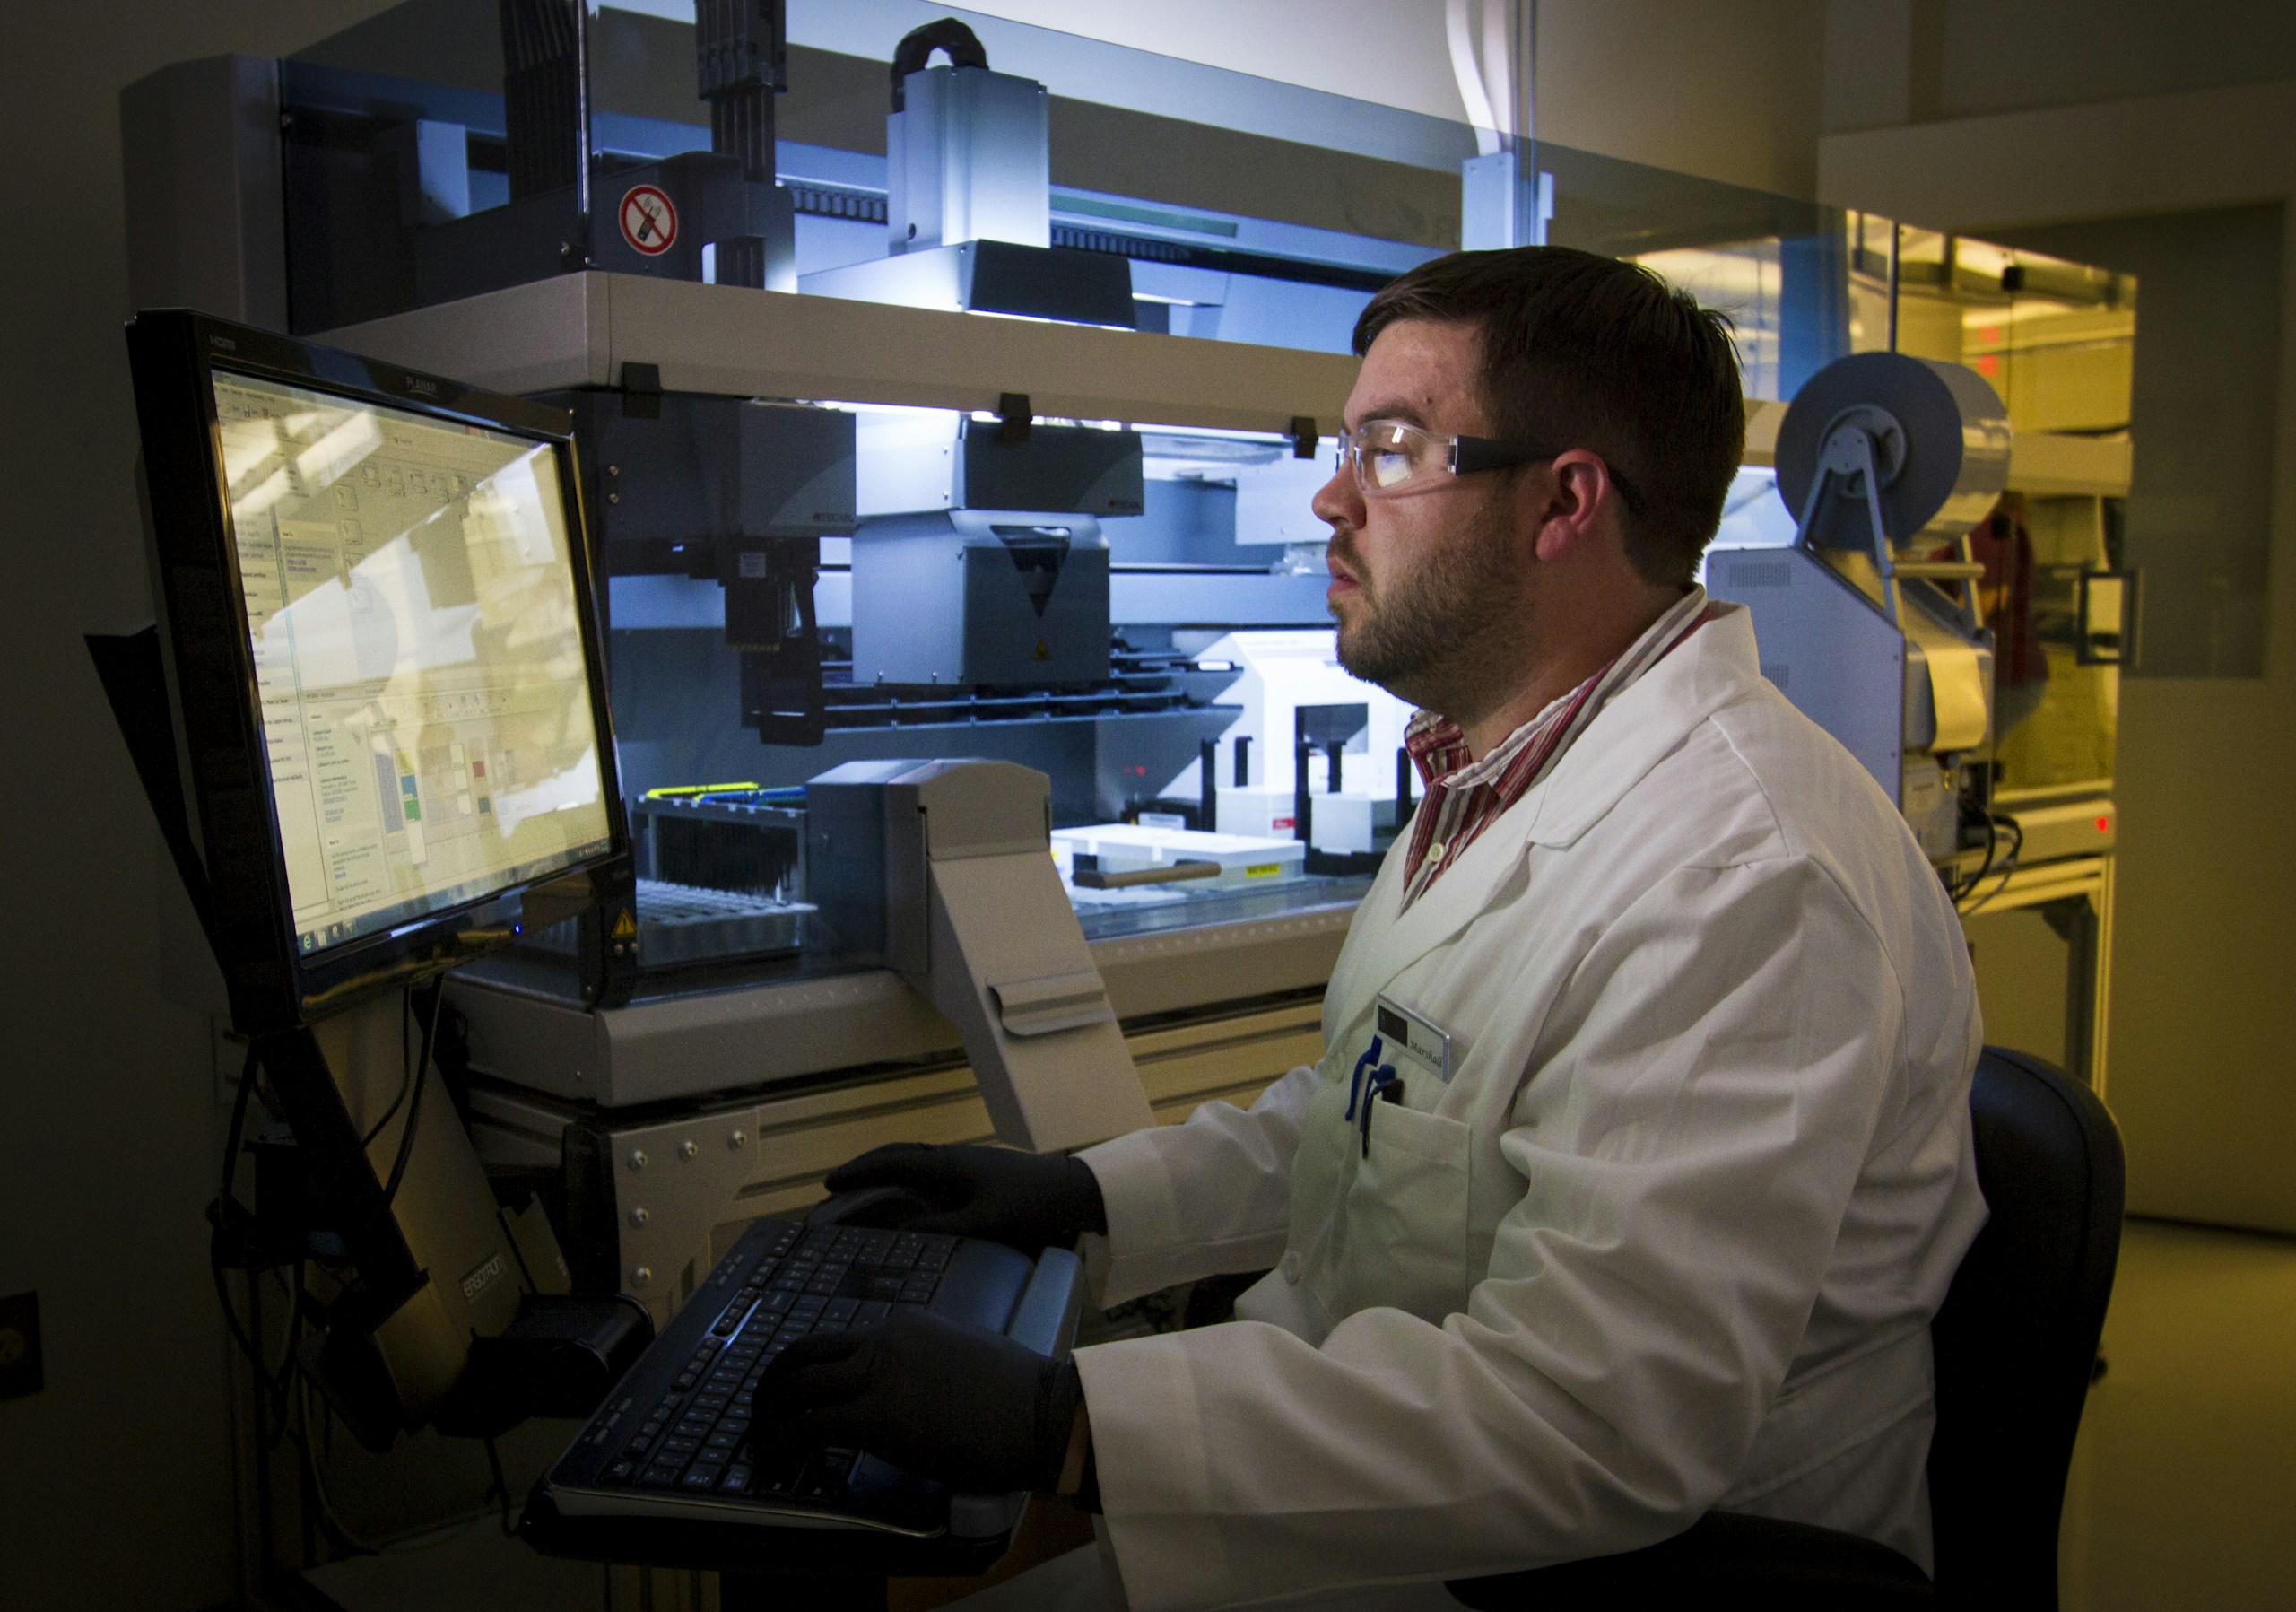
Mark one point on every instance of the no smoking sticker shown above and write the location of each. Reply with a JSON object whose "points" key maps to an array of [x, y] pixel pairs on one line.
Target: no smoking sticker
{"points": [[649, 220]]}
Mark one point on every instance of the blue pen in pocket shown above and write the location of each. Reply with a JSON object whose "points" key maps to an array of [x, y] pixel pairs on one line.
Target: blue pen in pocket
{"points": [[1369, 1060], [1386, 1085]]}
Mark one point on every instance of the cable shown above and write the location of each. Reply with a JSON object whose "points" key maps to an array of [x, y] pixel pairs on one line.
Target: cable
{"points": [[415, 1099], [219, 1215], [1963, 887], [2008, 867], [501, 1488], [329, 1518], [405, 1076]]}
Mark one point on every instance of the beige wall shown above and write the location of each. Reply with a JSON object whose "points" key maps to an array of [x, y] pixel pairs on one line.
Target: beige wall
{"points": [[2205, 973], [1727, 93], [114, 1481]]}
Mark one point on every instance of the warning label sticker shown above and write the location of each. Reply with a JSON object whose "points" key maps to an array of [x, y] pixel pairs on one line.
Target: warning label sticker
{"points": [[649, 220]]}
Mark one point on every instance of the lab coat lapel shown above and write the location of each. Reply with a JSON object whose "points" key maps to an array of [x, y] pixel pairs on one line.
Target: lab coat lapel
{"points": [[1382, 943], [1643, 724]]}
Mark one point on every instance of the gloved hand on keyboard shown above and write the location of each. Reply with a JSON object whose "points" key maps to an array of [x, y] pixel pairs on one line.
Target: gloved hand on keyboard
{"points": [[973, 1409], [1026, 1200]]}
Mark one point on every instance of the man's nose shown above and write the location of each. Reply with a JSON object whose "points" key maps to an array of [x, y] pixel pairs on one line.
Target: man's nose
{"points": [[1339, 502]]}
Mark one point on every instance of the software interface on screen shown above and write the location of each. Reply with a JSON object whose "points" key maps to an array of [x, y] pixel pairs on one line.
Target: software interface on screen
{"points": [[418, 655]]}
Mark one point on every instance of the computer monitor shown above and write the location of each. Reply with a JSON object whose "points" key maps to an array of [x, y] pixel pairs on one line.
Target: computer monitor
{"points": [[384, 656]]}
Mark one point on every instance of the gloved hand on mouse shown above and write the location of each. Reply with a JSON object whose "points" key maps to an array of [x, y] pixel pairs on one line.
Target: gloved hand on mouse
{"points": [[1029, 1201]]}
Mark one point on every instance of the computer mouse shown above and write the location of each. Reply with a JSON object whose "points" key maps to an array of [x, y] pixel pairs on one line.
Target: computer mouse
{"points": [[874, 1206]]}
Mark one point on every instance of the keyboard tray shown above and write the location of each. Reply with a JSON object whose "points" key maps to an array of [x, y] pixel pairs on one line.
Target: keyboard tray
{"points": [[659, 1477]]}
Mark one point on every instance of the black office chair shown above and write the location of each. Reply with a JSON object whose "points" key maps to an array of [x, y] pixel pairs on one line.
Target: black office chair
{"points": [[2016, 1345]]}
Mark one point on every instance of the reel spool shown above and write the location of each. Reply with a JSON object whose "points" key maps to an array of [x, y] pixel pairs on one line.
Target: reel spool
{"points": [[1932, 438]]}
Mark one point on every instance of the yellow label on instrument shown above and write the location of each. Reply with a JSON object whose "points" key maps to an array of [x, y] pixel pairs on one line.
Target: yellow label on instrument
{"points": [[1262, 870]]}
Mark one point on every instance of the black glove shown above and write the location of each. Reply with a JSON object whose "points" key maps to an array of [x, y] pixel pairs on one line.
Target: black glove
{"points": [[1027, 1200], [966, 1408]]}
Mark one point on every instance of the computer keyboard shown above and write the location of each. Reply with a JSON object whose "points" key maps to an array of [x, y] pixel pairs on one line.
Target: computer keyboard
{"points": [[828, 1279], [672, 1442]]}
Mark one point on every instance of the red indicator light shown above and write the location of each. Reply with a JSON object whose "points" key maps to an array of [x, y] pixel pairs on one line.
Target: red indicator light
{"points": [[2104, 825]]}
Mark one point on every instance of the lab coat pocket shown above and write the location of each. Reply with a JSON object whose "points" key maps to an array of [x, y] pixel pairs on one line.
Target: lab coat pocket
{"points": [[1406, 1211]]}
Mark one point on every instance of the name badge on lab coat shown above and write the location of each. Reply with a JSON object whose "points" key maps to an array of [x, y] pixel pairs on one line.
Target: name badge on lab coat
{"points": [[1415, 1038]]}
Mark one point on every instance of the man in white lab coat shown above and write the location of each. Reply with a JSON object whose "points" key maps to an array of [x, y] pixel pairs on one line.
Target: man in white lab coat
{"points": [[1638, 1157]]}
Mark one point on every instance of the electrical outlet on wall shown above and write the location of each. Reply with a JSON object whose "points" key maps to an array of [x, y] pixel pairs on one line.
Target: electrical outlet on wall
{"points": [[20, 1368]]}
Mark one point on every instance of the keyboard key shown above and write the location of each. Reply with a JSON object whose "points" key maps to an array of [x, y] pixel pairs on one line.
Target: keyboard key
{"points": [[736, 1481], [621, 1471], [661, 1475], [679, 1446], [700, 1478], [840, 1312], [684, 1381], [723, 1439], [872, 1312], [778, 1472]]}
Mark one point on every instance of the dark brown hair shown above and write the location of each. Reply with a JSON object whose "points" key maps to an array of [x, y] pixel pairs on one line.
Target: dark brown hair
{"points": [[1581, 351]]}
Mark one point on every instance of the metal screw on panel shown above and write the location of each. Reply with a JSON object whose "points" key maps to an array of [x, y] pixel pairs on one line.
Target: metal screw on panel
{"points": [[687, 1149], [613, 498], [637, 1158], [613, 470], [638, 1216], [739, 1138], [641, 1275]]}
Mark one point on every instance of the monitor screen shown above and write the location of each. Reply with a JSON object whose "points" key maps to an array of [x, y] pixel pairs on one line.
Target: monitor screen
{"points": [[417, 644]]}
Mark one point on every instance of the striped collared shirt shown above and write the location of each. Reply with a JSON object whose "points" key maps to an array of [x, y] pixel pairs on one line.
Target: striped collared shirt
{"points": [[1465, 797]]}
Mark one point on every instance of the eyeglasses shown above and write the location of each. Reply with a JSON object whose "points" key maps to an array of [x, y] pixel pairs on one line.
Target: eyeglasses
{"points": [[1390, 457]]}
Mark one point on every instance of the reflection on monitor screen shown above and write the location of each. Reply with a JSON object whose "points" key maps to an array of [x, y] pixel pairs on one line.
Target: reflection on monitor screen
{"points": [[418, 651]]}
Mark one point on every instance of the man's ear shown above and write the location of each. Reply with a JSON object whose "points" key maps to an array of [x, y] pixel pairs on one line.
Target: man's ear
{"points": [[1578, 490]]}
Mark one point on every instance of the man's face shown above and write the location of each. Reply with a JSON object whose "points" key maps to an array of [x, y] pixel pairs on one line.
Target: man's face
{"points": [[1423, 580]]}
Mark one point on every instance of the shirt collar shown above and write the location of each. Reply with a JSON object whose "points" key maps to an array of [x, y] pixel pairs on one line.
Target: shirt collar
{"points": [[1438, 746]]}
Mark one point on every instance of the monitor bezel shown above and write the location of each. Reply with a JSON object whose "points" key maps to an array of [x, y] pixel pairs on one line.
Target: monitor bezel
{"points": [[272, 984]]}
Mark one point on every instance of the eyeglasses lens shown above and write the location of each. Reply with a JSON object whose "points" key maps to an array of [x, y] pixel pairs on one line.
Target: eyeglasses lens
{"points": [[1388, 456]]}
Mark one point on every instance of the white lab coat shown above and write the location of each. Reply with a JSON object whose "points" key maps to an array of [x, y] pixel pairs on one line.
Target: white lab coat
{"points": [[1670, 1237]]}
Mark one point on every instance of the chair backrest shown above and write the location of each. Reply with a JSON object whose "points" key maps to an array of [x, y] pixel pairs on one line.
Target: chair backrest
{"points": [[2016, 1338]]}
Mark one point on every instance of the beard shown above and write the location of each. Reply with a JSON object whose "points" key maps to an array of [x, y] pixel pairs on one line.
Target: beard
{"points": [[1429, 634]]}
